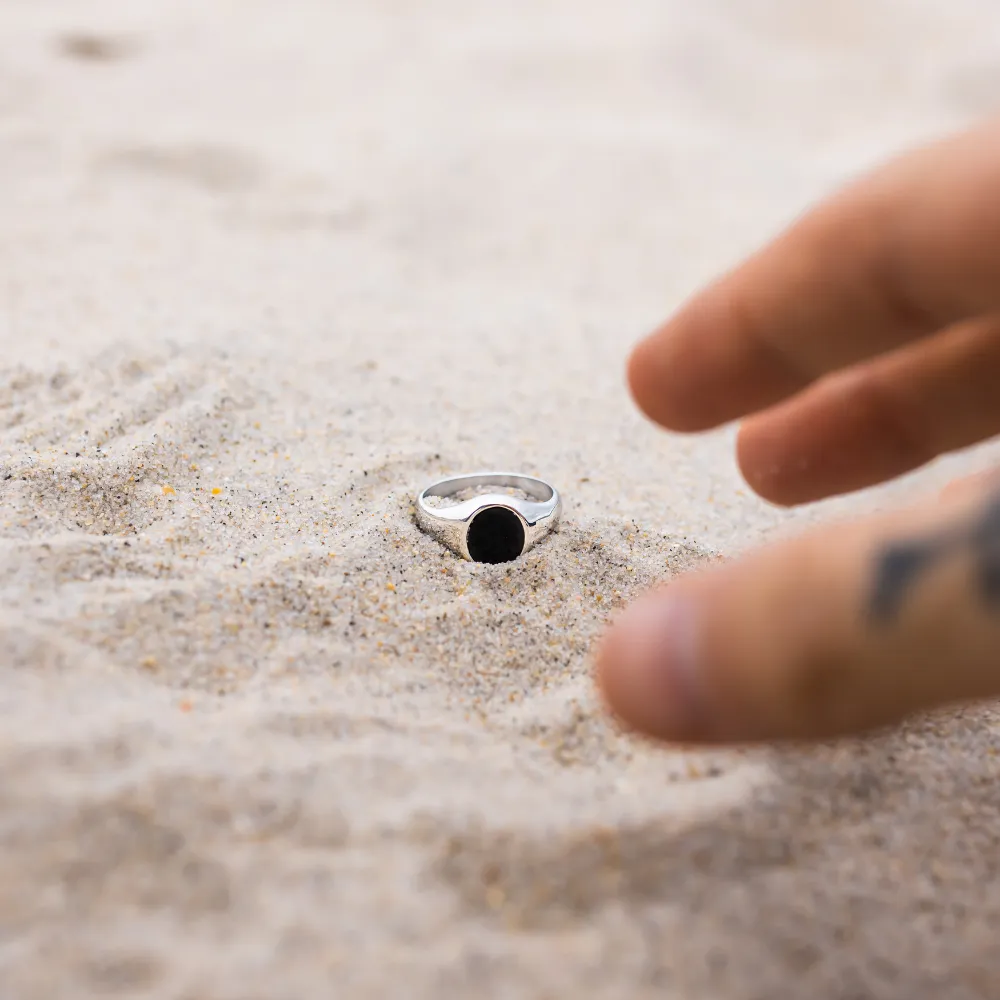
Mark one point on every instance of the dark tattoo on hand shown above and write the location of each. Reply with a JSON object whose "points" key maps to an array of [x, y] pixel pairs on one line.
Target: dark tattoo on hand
{"points": [[903, 564]]}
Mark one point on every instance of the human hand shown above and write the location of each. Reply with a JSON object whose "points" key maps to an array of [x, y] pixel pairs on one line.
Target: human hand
{"points": [[861, 344]]}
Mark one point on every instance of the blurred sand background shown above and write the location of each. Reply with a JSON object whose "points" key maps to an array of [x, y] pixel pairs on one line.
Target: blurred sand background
{"points": [[266, 267]]}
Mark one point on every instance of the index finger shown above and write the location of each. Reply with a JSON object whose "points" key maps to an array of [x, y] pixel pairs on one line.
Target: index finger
{"points": [[898, 255]]}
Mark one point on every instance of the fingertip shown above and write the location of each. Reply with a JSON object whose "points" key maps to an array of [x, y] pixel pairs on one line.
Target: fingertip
{"points": [[660, 379], [604, 673], [645, 381], [642, 673], [612, 674]]}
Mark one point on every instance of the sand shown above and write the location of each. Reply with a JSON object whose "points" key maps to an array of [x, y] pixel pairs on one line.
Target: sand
{"points": [[268, 267]]}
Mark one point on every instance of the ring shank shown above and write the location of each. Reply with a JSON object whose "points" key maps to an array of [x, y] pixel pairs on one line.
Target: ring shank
{"points": [[537, 489]]}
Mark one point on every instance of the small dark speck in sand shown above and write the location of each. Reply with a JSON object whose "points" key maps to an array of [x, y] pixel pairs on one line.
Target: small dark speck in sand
{"points": [[95, 48]]}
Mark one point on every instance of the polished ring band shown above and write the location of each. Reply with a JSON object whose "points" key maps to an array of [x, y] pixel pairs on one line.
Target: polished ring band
{"points": [[491, 527]]}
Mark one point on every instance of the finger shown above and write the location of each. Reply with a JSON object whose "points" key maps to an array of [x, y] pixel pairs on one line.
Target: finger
{"points": [[839, 631], [900, 254], [878, 420]]}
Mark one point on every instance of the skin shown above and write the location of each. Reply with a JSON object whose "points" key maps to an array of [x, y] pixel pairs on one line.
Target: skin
{"points": [[859, 345]]}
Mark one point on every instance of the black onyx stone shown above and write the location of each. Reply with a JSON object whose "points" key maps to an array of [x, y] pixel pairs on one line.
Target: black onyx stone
{"points": [[496, 535]]}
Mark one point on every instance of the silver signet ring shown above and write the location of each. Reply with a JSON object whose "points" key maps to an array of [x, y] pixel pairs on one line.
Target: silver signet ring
{"points": [[490, 527]]}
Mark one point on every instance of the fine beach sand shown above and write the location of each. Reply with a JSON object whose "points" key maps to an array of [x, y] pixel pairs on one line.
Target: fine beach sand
{"points": [[267, 268]]}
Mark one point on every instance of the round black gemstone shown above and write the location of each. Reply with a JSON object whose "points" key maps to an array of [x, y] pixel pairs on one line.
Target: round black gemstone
{"points": [[496, 535]]}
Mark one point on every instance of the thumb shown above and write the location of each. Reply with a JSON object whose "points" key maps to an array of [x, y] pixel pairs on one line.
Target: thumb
{"points": [[844, 629]]}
